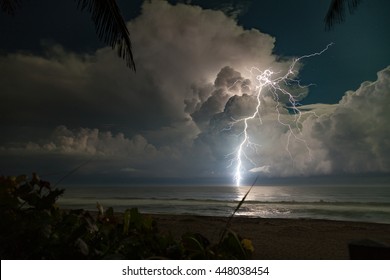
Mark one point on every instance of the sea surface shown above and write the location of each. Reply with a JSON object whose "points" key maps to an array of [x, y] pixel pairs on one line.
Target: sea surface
{"points": [[344, 202]]}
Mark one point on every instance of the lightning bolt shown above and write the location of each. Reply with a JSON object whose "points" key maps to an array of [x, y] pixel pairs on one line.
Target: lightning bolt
{"points": [[266, 79]]}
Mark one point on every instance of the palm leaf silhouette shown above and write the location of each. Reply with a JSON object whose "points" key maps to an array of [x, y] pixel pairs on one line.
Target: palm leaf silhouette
{"points": [[336, 12], [9, 6], [228, 223], [110, 25]]}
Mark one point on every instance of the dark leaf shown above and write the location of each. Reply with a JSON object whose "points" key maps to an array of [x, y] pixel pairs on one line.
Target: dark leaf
{"points": [[336, 12], [236, 209], [110, 26], [231, 245], [9, 6], [126, 221], [82, 247]]}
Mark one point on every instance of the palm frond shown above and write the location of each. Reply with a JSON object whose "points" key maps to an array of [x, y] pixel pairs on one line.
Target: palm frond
{"points": [[337, 10], [228, 223], [9, 6], [110, 26]]}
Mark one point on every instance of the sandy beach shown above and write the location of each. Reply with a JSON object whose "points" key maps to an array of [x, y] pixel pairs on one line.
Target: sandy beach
{"points": [[280, 239]]}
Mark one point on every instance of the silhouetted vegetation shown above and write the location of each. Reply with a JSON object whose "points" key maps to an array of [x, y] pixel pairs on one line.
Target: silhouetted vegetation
{"points": [[34, 227], [111, 26], [109, 22], [336, 11]]}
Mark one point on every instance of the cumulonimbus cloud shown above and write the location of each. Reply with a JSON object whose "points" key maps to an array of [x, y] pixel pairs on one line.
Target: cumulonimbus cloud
{"points": [[174, 116], [355, 134]]}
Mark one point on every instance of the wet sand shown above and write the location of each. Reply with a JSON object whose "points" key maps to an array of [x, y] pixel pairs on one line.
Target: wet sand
{"points": [[281, 239]]}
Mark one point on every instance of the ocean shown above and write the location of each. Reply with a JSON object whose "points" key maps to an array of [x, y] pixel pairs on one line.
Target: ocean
{"points": [[343, 202]]}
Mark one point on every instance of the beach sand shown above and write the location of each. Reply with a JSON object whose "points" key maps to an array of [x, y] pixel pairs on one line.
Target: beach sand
{"points": [[282, 239]]}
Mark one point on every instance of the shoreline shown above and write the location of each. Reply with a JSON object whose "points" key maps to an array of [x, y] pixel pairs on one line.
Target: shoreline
{"points": [[281, 239]]}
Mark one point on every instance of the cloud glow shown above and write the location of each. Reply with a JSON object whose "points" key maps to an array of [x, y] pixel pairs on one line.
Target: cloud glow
{"points": [[61, 108]]}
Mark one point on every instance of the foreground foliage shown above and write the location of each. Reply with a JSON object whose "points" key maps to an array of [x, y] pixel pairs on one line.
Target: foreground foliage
{"points": [[33, 227]]}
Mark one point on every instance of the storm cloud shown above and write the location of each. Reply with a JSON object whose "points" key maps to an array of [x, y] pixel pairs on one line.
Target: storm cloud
{"points": [[355, 133], [175, 116]]}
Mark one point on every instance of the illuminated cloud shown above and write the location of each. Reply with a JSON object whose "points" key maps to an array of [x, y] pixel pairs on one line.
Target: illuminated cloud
{"points": [[173, 117], [356, 133], [87, 141], [348, 137], [261, 169]]}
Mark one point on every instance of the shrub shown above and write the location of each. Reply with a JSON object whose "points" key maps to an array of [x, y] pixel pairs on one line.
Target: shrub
{"points": [[33, 227]]}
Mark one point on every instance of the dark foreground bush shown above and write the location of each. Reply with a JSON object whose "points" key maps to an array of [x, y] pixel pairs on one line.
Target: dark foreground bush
{"points": [[33, 227]]}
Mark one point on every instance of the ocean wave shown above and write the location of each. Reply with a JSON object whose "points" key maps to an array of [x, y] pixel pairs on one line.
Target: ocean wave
{"points": [[219, 201]]}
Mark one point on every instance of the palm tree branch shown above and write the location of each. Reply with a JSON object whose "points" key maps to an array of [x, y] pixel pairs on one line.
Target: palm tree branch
{"points": [[336, 12], [110, 26], [227, 226], [9, 6], [109, 23]]}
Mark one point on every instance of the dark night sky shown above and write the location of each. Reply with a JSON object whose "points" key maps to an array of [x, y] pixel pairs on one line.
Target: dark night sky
{"points": [[66, 98]]}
